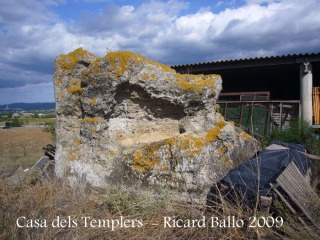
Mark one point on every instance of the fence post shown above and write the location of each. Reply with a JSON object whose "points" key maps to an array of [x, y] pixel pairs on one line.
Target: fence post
{"points": [[280, 123]]}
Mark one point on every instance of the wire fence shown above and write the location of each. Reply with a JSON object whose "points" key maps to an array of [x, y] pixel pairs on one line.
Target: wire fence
{"points": [[261, 117]]}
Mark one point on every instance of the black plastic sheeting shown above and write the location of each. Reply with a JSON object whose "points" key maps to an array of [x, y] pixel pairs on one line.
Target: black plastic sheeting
{"points": [[253, 177]]}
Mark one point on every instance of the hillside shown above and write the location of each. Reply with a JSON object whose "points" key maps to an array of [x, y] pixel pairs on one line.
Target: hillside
{"points": [[28, 106]]}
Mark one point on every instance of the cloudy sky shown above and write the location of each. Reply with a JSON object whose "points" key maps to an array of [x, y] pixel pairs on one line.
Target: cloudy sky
{"points": [[34, 32]]}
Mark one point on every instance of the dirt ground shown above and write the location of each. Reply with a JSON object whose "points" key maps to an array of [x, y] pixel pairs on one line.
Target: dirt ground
{"points": [[21, 147]]}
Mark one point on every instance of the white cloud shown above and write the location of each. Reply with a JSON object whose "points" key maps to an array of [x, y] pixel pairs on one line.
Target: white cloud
{"points": [[32, 35]]}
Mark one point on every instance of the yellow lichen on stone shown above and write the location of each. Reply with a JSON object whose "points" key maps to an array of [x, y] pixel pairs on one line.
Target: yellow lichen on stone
{"points": [[74, 86], [145, 76], [112, 154], [187, 143], [73, 154], [92, 101], [146, 158], [92, 120], [223, 150], [226, 160], [77, 142], [67, 62], [75, 89], [119, 62], [195, 83], [97, 66], [245, 136], [212, 134], [148, 77]]}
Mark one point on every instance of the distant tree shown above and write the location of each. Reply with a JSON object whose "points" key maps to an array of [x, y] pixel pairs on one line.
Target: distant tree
{"points": [[8, 124], [10, 114], [16, 122], [36, 115]]}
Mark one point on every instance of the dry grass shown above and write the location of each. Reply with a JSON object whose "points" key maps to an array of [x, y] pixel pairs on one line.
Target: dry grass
{"points": [[32, 121], [21, 146], [47, 200]]}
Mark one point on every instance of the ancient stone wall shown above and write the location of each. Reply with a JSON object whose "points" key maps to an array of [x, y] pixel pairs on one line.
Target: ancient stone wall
{"points": [[125, 119]]}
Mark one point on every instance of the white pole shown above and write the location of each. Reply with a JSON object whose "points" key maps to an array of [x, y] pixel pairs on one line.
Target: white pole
{"points": [[306, 91]]}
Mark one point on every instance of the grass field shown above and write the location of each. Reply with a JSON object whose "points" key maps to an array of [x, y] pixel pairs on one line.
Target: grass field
{"points": [[32, 121], [21, 146]]}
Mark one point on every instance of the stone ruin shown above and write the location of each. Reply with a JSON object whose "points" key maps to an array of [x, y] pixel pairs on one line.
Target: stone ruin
{"points": [[125, 119]]}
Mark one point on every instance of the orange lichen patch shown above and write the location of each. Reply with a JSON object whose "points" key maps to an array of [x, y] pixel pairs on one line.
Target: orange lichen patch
{"points": [[147, 158], [92, 120], [92, 101], [73, 154], [165, 68], [245, 136], [195, 83], [154, 156], [119, 62], [68, 61], [75, 89], [97, 66], [145, 76], [77, 142], [223, 150], [212, 134], [187, 143], [148, 77], [226, 160], [165, 169], [74, 86], [112, 154]]}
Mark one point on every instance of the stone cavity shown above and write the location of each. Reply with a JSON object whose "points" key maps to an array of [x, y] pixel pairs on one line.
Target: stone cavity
{"points": [[125, 119]]}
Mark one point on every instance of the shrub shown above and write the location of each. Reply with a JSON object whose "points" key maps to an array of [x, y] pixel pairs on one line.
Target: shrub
{"points": [[299, 131]]}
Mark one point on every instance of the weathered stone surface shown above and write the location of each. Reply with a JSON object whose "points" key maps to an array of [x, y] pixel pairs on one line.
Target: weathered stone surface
{"points": [[126, 119]]}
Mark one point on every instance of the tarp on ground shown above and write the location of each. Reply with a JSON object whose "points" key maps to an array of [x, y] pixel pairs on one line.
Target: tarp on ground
{"points": [[253, 177]]}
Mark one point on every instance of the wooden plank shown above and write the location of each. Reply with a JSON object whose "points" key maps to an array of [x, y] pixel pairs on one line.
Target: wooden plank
{"points": [[298, 189], [283, 199], [316, 104], [241, 111], [262, 93]]}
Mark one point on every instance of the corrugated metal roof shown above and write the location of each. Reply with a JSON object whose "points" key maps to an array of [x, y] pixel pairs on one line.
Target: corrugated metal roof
{"points": [[256, 59]]}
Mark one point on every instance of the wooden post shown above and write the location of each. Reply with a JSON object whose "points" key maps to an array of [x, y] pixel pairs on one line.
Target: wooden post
{"points": [[240, 120], [267, 121], [280, 123], [251, 119], [225, 110]]}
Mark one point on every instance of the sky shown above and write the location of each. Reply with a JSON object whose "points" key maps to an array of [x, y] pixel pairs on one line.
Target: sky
{"points": [[34, 32]]}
